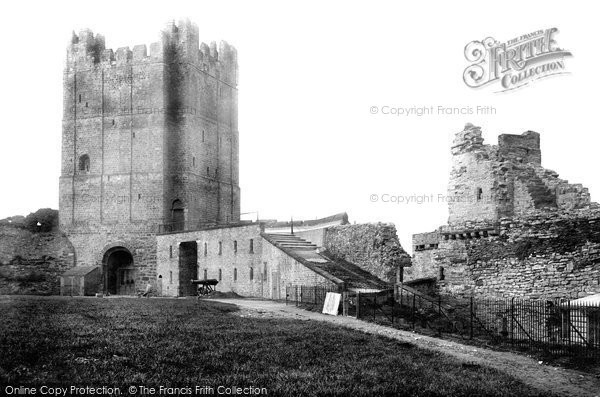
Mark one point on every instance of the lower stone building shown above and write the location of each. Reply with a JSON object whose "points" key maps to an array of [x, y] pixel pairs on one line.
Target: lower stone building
{"points": [[259, 260]]}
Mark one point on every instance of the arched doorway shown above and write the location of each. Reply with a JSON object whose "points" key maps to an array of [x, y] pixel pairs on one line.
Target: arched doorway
{"points": [[178, 215], [118, 272]]}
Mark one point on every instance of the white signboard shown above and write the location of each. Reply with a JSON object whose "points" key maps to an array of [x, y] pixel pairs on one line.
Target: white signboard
{"points": [[332, 303]]}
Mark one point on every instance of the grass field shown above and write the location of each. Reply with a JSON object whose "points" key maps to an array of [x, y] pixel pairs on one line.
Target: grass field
{"points": [[182, 342]]}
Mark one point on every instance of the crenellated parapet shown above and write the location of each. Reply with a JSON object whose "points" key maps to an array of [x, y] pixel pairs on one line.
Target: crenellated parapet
{"points": [[178, 42]]}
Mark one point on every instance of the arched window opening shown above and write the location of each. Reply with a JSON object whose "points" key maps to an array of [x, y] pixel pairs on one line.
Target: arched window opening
{"points": [[84, 163], [178, 215]]}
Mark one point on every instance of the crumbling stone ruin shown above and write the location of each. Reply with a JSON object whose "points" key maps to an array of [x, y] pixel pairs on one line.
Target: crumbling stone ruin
{"points": [[489, 182], [514, 227], [33, 254], [372, 246]]}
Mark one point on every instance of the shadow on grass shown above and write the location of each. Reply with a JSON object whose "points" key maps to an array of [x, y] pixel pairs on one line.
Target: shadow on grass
{"points": [[185, 342]]}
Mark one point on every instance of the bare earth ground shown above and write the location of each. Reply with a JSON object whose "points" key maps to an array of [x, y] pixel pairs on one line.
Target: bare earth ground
{"points": [[545, 378]]}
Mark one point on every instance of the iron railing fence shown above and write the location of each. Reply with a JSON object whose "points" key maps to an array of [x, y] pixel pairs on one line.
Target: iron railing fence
{"points": [[557, 327], [308, 295]]}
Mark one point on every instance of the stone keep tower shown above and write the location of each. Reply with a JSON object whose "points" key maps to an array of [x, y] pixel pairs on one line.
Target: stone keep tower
{"points": [[149, 144]]}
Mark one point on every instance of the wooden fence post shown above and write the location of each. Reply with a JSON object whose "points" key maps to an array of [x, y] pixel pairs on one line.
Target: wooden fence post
{"points": [[471, 315], [413, 310]]}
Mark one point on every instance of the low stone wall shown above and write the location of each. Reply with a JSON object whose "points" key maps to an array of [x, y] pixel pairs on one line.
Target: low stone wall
{"points": [[31, 263], [372, 246], [545, 255]]}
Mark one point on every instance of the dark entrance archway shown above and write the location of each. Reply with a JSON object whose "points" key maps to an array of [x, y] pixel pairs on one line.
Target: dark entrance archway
{"points": [[118, 272], [188, 267], [178, 215]]}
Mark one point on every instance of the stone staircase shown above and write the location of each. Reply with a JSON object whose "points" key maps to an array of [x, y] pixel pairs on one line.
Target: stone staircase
{"points": [[542, 195], [318, 260], [292, 242]]}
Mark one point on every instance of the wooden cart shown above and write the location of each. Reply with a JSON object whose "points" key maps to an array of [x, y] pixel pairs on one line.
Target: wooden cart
{"points": [[205, 287]]}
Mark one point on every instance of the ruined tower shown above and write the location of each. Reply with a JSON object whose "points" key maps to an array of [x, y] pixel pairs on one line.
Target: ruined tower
{"points": [[489, 182], [149, 145]]}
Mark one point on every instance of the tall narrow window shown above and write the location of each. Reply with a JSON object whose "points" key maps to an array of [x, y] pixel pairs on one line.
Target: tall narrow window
{"points": [[84, 163], [220, 275], [265, 275], [235, 246], [205, 274], [193, 161], [170, 251], [202, 135], [442, 275], [235, 274], [251, 273], [171, 277], [178, 215], [479, 194], [220, 248], [205, 249], [251, 246]]}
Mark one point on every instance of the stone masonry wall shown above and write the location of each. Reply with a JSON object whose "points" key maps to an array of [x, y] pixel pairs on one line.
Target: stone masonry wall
{"points": [[372, 246], [489, 182], [546, 255], [31, 263], [424, 245], [264, 271], [233, 258]]}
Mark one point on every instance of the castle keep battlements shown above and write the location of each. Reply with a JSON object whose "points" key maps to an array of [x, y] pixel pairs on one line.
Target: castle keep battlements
{"points": [[88, 51], [149, 143]]}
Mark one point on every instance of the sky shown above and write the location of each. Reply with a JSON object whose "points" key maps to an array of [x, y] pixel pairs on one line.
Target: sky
{"points": [[312, 75]]}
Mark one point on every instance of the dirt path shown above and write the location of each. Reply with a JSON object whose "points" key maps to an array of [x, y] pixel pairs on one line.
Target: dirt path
{"points": [[543, 377]]}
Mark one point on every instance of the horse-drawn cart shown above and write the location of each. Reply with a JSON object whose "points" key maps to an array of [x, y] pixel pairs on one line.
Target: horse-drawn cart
{"points": [[205, 287]]}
